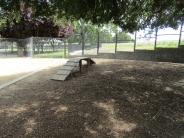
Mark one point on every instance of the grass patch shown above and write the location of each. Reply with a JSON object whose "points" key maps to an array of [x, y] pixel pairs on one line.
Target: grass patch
{"points": [[145, 46], [140, 45], [167, 44], [56, 54], [125, 47], [182, 42]]}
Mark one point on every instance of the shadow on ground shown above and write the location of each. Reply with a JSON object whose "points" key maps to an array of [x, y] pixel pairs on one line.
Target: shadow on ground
{"points": [[113, 99]]}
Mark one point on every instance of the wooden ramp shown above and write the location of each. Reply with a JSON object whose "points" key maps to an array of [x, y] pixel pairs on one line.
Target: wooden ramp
{"points": [[72, 65]]}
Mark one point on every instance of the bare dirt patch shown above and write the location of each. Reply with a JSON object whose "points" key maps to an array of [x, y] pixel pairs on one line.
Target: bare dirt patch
{"points": [[115, 98]]}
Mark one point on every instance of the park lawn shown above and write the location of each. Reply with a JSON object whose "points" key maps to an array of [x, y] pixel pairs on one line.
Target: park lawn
{"points": [[110, 48], [125, 47], [141, 45], [56, 54], [167, 44], [120, 47], [182, 42], [160, 44]]}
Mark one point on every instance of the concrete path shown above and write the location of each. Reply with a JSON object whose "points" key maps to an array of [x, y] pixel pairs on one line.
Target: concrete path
{"points": [[15, 69]]}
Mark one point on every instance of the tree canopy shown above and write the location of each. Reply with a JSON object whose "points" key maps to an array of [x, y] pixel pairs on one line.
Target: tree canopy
{"points": [[130, 15], [24, 20], [122, 36]]}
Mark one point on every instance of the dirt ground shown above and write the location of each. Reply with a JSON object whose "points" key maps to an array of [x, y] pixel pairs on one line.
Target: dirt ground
{"points": [[113, 99]]}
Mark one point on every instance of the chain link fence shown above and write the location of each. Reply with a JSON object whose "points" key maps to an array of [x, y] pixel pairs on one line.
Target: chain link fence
{"points": [[74, 44], [92, 41], [48, 47], [147, 39], [10, 47]]}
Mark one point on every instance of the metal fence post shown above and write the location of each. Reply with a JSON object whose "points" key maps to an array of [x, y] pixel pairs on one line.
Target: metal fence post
{"points": [[135, 39], [64, 48], [67, 49], [98, 41], [181, 28], [12, 47], [82, 37], [116, 41], [6, 48], [34, 47], [156, 32], [31, 47]]}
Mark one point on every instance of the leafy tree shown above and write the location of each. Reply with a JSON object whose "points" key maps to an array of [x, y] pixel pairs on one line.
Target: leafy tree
{"points": [[130, 15], [122, 36], [105, 36], [91, 33], [29, 24], [76, 36], [41, 27]]}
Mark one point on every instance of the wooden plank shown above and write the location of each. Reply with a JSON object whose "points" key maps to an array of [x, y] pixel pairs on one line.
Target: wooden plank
{"points": [[81, 58], [72, 64], [77, 59], [75, 69], [67, 68], [70, 67], [59, 77], [73, 61], [63, 72]]}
